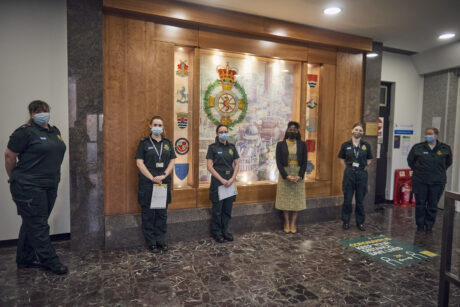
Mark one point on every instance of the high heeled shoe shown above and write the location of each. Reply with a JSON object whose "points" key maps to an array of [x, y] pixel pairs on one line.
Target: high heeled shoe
{"points": [[294, 230], [287, 230]]}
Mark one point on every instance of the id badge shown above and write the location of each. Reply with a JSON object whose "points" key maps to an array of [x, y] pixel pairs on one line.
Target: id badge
{"points": [[355, 164], [160, 164]]}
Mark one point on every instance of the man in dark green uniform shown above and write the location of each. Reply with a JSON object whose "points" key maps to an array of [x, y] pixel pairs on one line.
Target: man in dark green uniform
{"points": [[39, 150], [222, 161], [429, 162], [356, 155], [155, 159]]}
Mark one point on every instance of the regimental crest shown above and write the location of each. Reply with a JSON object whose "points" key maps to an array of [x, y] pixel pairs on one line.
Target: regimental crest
{"points": [[60, 138], [182, 69], [181, 170], [312, 80], [182, 146], [182, 96], [310, 167], [166, 146], [310, 124], [225, 100], [312, 104], [439, 153], [363, 147], [182, 119], [230, 151]]}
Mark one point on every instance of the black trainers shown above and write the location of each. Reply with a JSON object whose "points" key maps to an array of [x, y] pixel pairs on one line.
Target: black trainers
{"points": [[228, 237], [346, 226], [429, 229], [57, 268], [33, 264], [154, 249], [163, 247], [219, 238], [420, 228], [361, 227]]}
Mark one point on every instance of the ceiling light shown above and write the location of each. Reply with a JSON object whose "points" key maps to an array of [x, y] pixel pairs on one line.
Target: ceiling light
{"points": [[332, 10], [372, 55], [446, 35]]}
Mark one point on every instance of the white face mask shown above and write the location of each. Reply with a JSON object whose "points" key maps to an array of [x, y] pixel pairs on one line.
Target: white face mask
{"points": [[42, 118], [157, 130]]}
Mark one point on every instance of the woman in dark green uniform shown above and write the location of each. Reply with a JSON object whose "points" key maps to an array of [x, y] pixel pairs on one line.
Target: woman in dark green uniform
{"points": [[429, 161], [355, 155], [33, 159], [155, 159], [222, 162]]}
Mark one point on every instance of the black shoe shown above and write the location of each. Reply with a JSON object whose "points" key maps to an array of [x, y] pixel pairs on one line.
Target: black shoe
{"points": [[228, 237], [57, 268], [219, 239], [429, 229], [420, 228], [33, 264], [346, 226], [154, 249], [163, 247], [361, 227]]}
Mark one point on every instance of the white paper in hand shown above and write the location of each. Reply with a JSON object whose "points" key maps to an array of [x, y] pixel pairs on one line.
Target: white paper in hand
{"points": [[226, 192], [159, 196]]}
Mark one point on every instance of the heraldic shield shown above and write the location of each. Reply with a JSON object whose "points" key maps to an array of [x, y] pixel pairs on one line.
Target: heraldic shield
{"points": [[181, 170]]}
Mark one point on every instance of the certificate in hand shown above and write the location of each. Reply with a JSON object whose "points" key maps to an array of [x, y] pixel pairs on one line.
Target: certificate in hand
{"points": [[226, 192], [159, 196]]}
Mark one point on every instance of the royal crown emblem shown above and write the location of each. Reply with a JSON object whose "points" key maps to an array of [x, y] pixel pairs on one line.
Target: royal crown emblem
{"points": [[225, 101]]}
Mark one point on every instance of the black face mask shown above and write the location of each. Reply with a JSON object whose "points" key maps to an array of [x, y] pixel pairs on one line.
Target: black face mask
{"points": [[291, 135]]}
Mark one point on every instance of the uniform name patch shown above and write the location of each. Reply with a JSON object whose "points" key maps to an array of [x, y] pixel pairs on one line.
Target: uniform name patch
{"points": [[43, 138], [219, 152], [150, 147], [425, 152], [348, 148]]}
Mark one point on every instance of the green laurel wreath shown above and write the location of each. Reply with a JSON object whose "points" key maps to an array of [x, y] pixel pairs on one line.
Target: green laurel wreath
{"points": [[207, 109]]}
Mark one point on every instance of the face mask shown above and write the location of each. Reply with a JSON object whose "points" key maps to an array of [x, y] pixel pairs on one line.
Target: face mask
{"points": [[357, 135], [429, 138], [223, 136], [42, 118], [157, 130], [291, 135]]}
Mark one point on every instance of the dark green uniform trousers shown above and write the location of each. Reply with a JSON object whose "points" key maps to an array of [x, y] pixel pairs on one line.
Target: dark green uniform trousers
{"points": [[154, 225], [34, 205], [354, 182], [221, 215], [426, 202], [154, 221]]}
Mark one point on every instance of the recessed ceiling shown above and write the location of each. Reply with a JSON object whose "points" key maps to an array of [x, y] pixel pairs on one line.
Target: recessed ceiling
{"points": [[412, 25]]}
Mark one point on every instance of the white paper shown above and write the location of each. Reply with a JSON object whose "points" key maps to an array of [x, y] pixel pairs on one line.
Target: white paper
{"points": [[405, 145], [226, 192], [159, 196]]}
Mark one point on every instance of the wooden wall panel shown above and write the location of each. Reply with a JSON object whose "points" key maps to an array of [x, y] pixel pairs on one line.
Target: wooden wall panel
{"points": [[348, 107], [322, 55], [192, 14], [132, 95], [233, 42], [326, 124]]}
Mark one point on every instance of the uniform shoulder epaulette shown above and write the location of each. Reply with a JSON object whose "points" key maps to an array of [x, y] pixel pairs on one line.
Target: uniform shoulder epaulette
{"points": [[25, 126]]}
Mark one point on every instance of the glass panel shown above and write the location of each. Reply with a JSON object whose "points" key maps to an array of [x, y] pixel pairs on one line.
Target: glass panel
{"points": [[256, 98], [183, 101], [312, 119]]}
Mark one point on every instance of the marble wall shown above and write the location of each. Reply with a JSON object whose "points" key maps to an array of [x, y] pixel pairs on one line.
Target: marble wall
{"points": [[84, 39], [372, 80]]}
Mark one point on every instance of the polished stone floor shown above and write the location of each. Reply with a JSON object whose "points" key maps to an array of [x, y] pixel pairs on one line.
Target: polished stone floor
{"points": [[309, 268]]}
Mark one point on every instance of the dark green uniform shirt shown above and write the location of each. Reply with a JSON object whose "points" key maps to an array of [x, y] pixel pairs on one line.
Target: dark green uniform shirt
{"points": [[146, 151], [41, 152], [222, 156], [429, 165], [359, 154]]}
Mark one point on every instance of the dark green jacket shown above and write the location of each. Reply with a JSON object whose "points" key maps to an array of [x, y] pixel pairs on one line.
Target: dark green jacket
{"points": [[430, 165]]}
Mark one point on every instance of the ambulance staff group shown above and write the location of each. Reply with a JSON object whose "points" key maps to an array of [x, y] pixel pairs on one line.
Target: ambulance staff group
{"points": [[36, 150]]}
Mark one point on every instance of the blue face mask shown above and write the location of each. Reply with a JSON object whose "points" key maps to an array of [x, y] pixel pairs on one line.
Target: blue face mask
{"points": [[223, 136], [429, 138], [42, 118], [157, 130]]}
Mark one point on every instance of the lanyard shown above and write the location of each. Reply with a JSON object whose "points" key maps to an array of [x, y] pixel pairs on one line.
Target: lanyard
{"points": [[356, 150], [156, 150]]}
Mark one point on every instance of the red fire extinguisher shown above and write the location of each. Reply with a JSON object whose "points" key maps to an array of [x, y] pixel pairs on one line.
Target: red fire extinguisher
{"points": [[404, 193]]}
